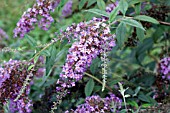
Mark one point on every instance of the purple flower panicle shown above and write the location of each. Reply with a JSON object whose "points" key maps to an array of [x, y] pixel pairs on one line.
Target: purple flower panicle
{"points": [[67, 9], [22, 105], [12, 76], [164, 67], [96, 104], [30, 17], [91, 38]]}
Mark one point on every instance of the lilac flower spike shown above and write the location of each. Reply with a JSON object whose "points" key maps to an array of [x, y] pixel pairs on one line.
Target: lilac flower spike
{"points": [[3, 76], [29, 18], [165, 67], [21, 105], [96, 104], [12, 78], [90, 39], [67, 9], [88, 46]]}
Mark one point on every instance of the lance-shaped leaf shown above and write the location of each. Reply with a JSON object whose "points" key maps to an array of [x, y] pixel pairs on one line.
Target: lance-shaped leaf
{"points": [[89, 87], [140, 34], [123, 6], [132, 22], [146, 18], [31, 40], [50, 59], [120, 34], [90, 2], [98, 12], [132, 2], [82, 3], [101, 4], [113, 14]]}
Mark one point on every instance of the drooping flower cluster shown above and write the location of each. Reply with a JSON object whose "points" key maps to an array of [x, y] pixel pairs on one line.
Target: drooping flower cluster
{"points": [[164, 67], [96, 104], [3, 34], [30, 17], [13, 75], [23, 105], [67, 9], [90, 38], [161, 91]]}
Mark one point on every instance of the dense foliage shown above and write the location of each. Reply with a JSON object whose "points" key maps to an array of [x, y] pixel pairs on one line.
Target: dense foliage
{"points": [[84, 56]]}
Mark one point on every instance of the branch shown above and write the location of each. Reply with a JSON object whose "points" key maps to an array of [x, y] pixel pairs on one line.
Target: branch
{"points": [[52, 41], [107, 87], [164, 23], [110, 89]]}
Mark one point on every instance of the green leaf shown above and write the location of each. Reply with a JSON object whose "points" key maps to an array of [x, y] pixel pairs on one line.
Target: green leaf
{"points": [[82, 3], [98, 12], [132, 22], [123, 6], [133, 103], [137, 90], [50, 59], [146, 18], [90, 2], [101, 4], [138, 8], [157, 34], [113, 14], [95, 65], [146, 98], [143, 97], [132, 2], [140, 34], [30, 67], [151, 100], [79, 101], [36, 59], [45, 53], [97, 88], [89, 87], [30, 40], [21, 48], [60, 54], [121, 34], [145, 46], [113, 0], [123, 111], [114, 81], [146, 105]]}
